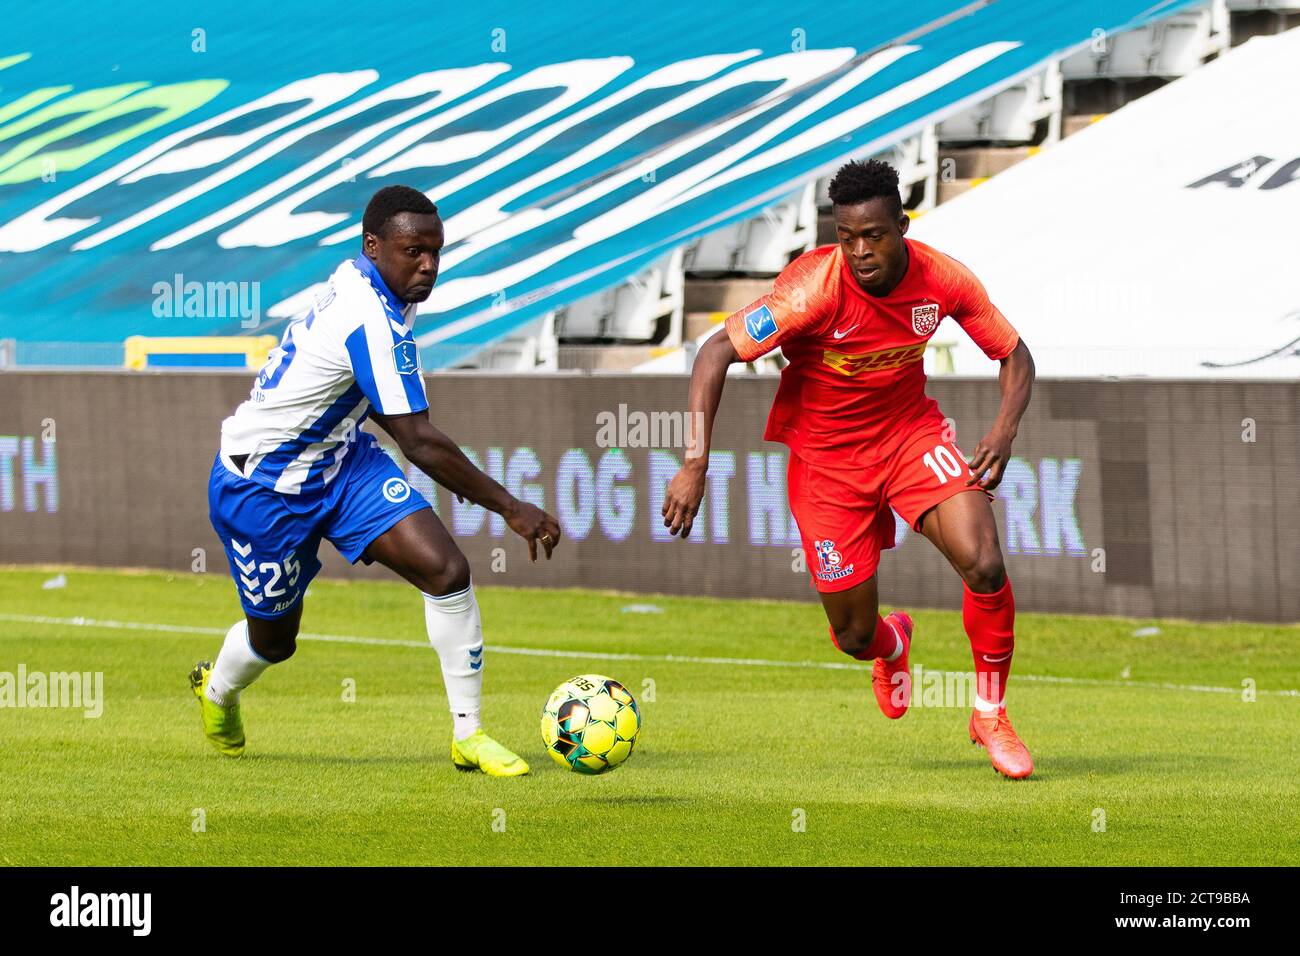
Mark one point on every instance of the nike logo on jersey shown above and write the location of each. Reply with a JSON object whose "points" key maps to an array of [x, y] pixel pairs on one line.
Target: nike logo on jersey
{"points": [[839, 335]]}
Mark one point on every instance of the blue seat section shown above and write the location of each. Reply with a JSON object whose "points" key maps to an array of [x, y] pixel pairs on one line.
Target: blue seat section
{"points": [[197, 360], [164, 173]]}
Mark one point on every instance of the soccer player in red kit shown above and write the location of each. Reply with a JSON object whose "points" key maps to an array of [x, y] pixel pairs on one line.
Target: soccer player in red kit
{"points": [[853, 320]]}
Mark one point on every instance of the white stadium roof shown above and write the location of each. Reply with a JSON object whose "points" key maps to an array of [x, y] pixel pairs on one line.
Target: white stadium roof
{"points": [[1161, 241]]}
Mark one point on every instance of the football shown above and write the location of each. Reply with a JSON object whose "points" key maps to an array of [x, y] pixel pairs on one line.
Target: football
{"points": [[590, 724]]}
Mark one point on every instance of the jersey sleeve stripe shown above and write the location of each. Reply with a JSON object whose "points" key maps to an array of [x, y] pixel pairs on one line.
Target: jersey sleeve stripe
{"points": [[416, 398], [359, 356], [390, 391], [412, 381], [372, 364]]}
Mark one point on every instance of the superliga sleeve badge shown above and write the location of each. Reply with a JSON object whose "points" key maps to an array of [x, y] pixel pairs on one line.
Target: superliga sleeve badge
{"points": [[406, 357], [760, 324]]}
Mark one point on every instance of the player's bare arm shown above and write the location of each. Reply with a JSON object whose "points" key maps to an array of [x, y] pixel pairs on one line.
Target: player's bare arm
{"points": [[435, 454], [991, 454], [708, 376]]}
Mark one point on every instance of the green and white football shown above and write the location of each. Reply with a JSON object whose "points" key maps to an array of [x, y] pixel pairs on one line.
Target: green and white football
{"points": [[590, 724]]}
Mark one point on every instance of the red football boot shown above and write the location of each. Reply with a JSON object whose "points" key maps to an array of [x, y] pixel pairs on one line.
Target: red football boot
{"points": [[890, 689], [1008, 752]]}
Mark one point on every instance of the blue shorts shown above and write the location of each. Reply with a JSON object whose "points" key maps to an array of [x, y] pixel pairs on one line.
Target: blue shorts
{"points": [[271, 538]]}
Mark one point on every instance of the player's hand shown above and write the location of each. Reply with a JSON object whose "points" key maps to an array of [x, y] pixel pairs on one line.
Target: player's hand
{"points": [[682, 500], [533, 525], [991, 455]]}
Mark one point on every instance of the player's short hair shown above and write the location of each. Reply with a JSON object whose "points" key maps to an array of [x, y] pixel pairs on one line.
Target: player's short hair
{"points": [[857, 182], [390, 201]]}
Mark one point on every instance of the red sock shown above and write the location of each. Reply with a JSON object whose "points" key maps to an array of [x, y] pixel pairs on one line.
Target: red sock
{"points": [[990, 624], [884, 642]]}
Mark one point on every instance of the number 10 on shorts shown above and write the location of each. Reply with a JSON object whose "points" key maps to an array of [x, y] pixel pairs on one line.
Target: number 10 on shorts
{"points": [[942, 456]]}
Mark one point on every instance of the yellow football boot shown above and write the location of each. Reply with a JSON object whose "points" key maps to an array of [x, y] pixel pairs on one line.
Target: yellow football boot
{"points": [[478, 751], [223, 726]]}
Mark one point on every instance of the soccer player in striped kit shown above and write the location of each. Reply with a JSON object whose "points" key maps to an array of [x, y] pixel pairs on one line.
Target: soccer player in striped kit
{"points": [[294, 467]]}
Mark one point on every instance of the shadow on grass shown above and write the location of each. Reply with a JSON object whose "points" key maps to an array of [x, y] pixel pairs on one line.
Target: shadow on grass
{"points": [[406, 759], [682, 759], [642, 799], [1070, 766]]}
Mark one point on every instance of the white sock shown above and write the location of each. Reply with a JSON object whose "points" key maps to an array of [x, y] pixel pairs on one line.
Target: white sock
{"points": [[456, 633], [985, 707], [464, 724], [238, 665]]}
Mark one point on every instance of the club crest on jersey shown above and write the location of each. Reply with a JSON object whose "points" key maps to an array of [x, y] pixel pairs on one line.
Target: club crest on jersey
{"points": [[925, 318], [396, 490], [829, 561], [406, 357], [760, 324]]}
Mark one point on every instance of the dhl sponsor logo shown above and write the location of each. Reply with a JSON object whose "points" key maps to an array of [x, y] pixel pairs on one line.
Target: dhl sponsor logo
{"points": [[873, 361]]}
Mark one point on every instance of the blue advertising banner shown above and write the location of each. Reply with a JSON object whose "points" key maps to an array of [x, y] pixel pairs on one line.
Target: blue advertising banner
{"points": [[172, 171]]}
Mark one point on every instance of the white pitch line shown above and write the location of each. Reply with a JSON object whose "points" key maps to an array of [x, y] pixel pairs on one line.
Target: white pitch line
{"points": [[607, 656]]}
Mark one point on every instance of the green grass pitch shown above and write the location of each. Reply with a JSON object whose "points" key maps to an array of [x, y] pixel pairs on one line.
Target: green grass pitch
{"points": [[1151, 731]]}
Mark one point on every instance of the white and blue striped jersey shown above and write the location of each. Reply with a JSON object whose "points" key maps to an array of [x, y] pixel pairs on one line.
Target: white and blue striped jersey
{"points": [[351, 353]]}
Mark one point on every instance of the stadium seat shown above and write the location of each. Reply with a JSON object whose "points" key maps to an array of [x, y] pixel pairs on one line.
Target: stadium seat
{"points": [[1015, 115], [1253, 18], [1279, 6], [533, 348], [1169, 48], [763, 245], [680, 360], [939, 357], [645, 308]]}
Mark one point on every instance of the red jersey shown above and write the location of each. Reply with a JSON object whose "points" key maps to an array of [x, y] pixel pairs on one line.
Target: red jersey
{"points": [[856, 374]]}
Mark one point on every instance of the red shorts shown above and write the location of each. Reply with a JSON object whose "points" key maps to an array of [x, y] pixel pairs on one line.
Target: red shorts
{"points": [[846, 516]]}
